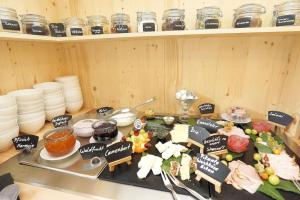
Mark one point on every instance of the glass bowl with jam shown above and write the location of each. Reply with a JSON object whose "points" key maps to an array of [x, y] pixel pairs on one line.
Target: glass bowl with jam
{"points": [[59, 141], [105, 130]]}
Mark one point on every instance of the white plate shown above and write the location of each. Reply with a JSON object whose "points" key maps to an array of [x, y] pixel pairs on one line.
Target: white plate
{"points": [[46, 156], [226, 117], [117, 139]]}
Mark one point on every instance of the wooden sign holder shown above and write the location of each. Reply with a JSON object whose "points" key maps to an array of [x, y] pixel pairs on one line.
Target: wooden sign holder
{"points": [[201, 146], [113, 164], [216, 183], [218, 153]]}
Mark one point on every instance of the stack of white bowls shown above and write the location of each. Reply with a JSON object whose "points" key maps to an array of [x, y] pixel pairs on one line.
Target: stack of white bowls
{"points": [[8, 121], [53, 98], [72, 92], [31, 111]]}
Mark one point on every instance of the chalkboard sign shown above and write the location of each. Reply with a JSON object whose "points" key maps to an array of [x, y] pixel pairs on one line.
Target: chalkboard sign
{"points": [[61, 120], [90, 151], [243, 22], [280, 118], [198, 134], [76, 31], [209, 125], [148, 27], [120, 28], [25, 142], [212, 167], [215, 143], [8, 24], [118, 151], [57, 29], [103, 111], [211, 24], [97, 30], [285, 20], [206, 108]]}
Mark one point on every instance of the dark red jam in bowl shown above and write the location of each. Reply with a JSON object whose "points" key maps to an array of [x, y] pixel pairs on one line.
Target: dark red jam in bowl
{"points": [[105, 130]]}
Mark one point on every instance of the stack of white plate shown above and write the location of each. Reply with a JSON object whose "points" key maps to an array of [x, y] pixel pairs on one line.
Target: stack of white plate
{"points": [[72, 92], [31, 111], [8, 121], [53, 98]]}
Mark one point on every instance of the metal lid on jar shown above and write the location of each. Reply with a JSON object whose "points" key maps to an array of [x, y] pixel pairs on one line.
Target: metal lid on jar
{"points": [[209, 11], [97, 19], [120, 17], [5, 11], [75, 21], [174, 12], [33, 18], [144, 15], [288, 5], [250, 8]]}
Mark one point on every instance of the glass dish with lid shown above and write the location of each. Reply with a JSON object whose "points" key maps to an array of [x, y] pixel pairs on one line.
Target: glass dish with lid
{"points": [[173, 20], [34, 24], [120, 23], [146, 21], [287, 14], [97, 24], [248, 15], [75, 26], [209, 18], [9, 20]]}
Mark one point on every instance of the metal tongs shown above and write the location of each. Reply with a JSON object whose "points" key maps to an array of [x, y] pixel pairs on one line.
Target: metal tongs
{"points": [[296, 183]]}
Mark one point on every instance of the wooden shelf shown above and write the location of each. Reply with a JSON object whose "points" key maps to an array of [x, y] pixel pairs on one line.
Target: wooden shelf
{"points": [[162, 34], [12, 152]]}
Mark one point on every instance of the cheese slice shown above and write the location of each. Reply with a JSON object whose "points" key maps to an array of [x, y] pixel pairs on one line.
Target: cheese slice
{"points": [[156, 168], [147, 160], [169, 152], [185, 172], [186, 160], [143, 172], [179, 133]]}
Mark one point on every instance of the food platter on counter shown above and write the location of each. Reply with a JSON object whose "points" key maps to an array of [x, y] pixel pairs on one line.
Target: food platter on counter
{"points": [[227, 117]]}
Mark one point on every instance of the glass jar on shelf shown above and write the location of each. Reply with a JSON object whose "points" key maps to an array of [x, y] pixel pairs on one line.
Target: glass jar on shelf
{"points": [[173, 20], [97, 24], [209, 18], [34, 24], [120, 23], [248, 15], [9, 20], [146, 21], [287, 14], [75, 26]]}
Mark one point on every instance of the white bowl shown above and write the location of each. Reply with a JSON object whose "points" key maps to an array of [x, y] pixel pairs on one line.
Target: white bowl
{"points": [[55, 107], [54, 95], [7, 118], [67, 78], [6, 101], [6, 138], [8, 124], [73, 92], [54, 101], [70, 85], [48, 87], [9, 111], [74, 107], [31, 102], [26, 95], [74, 99], [32, 110], [31, 116], [50, 114], [32, 126], [124, 119]]}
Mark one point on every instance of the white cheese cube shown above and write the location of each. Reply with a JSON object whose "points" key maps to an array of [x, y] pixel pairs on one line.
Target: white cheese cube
{"points": [[181, 148], [185, 172], [156, 168], [186, 160], [169, 152], [143, 172], [147, 160], [176, 153]]}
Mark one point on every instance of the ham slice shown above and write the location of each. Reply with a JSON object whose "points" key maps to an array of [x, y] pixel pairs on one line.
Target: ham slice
{"points": [[243, 176], [233, 131]]}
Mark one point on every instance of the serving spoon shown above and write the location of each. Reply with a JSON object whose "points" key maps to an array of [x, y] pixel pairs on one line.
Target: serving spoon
{"points": [[141, 104], [10, 192]]}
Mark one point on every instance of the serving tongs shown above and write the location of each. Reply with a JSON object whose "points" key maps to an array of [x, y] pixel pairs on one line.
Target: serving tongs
{"points": [[296, 183]]}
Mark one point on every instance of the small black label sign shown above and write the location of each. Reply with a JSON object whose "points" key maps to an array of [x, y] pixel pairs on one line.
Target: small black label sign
{"points": [[120, 28], [212, 167], [25, 142], [280, 118], [243, 22], [209, 125], [8, 24], [76, 31], [206, 108], [148, 27], [37, 30], [211, 24], [198, 134], [178, 25], [57, 29], [215, 143], [104, 110], [285, 20], [97, 30], [61, 120], [90, 151], [118, 151]]}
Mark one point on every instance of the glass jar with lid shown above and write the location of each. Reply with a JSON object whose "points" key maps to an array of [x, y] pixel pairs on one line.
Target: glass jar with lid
{"points": [[146, 21], [208, 18], [97, 24], [120, 23], [287, 14], [173, 20], [34, 24], [9, 20], [248, 15], [75, 26]]}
